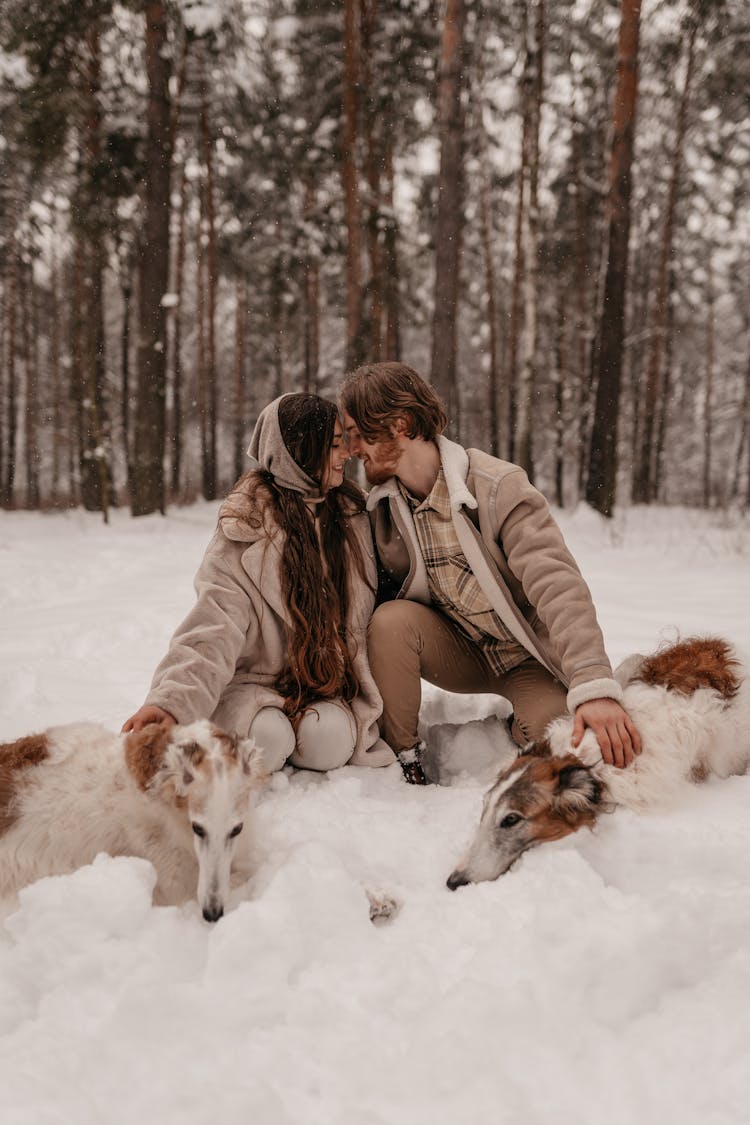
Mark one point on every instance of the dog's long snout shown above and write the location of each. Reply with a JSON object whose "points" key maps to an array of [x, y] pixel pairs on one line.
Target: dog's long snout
{"points": [[457, 879], [213, 911]]}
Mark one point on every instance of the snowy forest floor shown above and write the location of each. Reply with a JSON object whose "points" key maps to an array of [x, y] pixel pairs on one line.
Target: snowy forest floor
{"points": [[605, 978]]}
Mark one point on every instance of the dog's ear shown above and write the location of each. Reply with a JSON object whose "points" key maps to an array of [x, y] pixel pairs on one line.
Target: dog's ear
{"points": [[184, 760], [251, 760], [145, 752], [579, 796]]}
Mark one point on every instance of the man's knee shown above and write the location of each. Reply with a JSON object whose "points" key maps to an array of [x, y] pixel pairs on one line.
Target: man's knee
{"points": [[394, 625], [326, 737], [530, 723]]}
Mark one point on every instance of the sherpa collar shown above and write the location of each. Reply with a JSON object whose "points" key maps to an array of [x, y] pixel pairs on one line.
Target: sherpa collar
{"points": [[455, 462]]}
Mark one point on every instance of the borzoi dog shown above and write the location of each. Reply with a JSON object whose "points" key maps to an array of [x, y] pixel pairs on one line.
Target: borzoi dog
{"points": [[178, 797], [691, 705]]}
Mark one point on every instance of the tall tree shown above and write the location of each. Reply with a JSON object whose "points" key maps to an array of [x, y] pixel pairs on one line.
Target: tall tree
{"points": [[449, 221], [602, 476], [531, 92], [350, 181], [655, 391], [148, 493]]}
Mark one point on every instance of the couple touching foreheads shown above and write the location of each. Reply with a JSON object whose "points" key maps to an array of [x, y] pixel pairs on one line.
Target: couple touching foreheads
{"points": [[320, 608]]}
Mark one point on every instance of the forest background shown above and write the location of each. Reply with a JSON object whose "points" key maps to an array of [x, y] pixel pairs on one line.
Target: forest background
{"points": [[542, 205]]}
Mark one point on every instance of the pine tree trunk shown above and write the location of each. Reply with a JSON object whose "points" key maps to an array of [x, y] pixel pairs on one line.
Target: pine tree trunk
{"points": [[95, 473], [60, 429], [210, 480], [373, 171], [311, 301], [708, 404], [8, 469], [126, 293], [448, 229], [645, 484], [531, 92], [277, 324], [178, 283], [602, 475], [30, 336], [391, 295], [663, 405], [580, 349], [149, 445], [485, 214], [240, 360], [516, 308], [560, 382], [350, 183]]}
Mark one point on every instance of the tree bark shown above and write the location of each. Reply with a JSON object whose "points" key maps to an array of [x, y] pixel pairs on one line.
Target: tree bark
{"points": [[29, 336], [311, 300], [209, 460], [645, 482], [240, 359], [601, 485], [148, 464], [449, 226], [391, 294], [485, 215], [8, 469], [178, 282], [531, 92], [350, 183], [708, 403]]}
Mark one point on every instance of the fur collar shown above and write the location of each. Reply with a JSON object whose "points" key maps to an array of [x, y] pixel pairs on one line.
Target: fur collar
{"points": [[455, 462]]}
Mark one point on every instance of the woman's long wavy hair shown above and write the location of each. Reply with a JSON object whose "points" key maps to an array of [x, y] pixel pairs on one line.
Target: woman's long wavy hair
{"points": [[314, 580]]}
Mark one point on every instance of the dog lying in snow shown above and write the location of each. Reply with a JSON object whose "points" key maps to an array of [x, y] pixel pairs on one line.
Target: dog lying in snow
{"points": [[691, 704], [179, 798]]}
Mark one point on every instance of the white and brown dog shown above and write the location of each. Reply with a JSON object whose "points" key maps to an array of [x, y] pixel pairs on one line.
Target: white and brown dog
{"points": [[691, 705], [180, 798]]}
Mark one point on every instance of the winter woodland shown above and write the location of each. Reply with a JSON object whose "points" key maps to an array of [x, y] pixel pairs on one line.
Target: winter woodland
{"points": [[542, 205]]}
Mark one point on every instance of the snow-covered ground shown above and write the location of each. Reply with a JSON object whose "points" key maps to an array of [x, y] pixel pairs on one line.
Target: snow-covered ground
{"points": [[606, 978]]}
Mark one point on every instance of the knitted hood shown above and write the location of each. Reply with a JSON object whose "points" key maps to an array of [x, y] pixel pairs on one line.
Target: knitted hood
{"points": [[268, 451]]}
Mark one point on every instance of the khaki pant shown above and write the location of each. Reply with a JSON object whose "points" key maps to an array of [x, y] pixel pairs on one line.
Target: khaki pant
{"points": [[407, 641]]}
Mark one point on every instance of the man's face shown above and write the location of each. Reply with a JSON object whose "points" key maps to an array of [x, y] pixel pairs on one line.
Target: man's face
{"points": [[380, 458]]}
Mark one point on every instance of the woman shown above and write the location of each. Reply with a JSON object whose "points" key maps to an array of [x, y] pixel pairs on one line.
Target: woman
{"points": [[274, 647]]}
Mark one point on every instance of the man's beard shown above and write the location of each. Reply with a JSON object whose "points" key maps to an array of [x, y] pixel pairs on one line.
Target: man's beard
{"points": [[388, 457]]}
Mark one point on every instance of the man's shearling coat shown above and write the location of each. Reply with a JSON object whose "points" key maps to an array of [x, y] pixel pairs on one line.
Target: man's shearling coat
{"points": [[224, 658], [519, 557]]}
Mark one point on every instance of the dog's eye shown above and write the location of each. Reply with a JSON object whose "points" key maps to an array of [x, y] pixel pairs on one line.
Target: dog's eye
{"points": [[235, 831], [511, 819], [199, 829]]}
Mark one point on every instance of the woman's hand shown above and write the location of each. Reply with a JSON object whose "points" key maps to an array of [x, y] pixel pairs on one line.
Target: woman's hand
{"points": [[149, 713]]}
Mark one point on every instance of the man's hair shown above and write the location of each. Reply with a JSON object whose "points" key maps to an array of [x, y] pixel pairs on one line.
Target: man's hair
{"points": [[378, 393]]}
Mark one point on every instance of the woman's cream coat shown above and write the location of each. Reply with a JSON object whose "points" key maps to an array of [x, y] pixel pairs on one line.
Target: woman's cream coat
{"points": [[225, 657]]}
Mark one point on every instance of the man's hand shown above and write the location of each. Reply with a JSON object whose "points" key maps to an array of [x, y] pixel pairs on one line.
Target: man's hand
{"points": [[148, 714], [618, 738]]}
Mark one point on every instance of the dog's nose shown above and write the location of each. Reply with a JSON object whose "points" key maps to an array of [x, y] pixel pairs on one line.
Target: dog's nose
{"points": [[212, 912], [457, 879]]}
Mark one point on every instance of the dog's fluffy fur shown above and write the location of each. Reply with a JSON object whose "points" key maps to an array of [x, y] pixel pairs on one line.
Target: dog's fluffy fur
{"points": [[691, 705], [180, 798]]}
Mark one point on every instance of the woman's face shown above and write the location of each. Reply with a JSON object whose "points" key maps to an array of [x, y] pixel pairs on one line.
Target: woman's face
{"points": [[333, 474]]}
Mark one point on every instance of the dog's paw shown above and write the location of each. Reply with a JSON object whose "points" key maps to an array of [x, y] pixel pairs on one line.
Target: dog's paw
{"points": [[383, 907]]}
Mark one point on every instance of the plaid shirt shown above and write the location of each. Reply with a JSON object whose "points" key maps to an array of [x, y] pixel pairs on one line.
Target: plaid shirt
{"points": [[454, 589]]}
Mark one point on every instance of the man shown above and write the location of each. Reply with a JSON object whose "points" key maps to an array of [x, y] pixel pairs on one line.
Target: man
{"points": [[479, 592]]}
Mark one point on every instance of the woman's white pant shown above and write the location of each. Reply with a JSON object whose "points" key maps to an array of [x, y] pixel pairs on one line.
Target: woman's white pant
{"points": [[326, 737]]}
